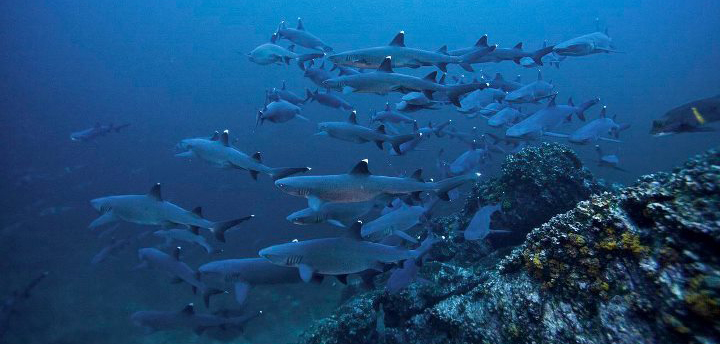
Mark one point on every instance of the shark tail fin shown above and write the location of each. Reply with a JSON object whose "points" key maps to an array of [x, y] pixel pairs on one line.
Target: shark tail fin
{"points": [[398, 140], [259, 119], [311, 56], [445, 185], [120, 127], [538, 55], [282, 172], [219, 228], [584, 106]]}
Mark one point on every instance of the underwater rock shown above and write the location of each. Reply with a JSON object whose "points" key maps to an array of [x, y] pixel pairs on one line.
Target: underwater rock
{"points": [[638, 266], [535, 184]]}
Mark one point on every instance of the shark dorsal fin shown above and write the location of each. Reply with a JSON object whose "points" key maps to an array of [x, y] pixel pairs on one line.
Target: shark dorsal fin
{"points": [[257, 157], [387, 106], [300, 25], [416, 128], [361, 169], [570, 102], [215, 136], [442, 79], [443, 50], [283, 85], [482, 42], [398, 40], [386, 65], [603, 112], [552, 101], [189, 309], [176, 253], [352, 119], [417, 175], [539, 75], [354, 231], [155, 193], [224, 138], [431, 76], [518, 78], [544, 44], [197, 211], [518, 46], [273, 38]]}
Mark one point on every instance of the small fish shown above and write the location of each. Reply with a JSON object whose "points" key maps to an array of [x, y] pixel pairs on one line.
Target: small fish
{"points": [[98, 130], [688, 118]]}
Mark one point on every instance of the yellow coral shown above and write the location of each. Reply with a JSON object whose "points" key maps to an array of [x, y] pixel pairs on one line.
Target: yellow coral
{"points": [[631, 242], [703, 305]]}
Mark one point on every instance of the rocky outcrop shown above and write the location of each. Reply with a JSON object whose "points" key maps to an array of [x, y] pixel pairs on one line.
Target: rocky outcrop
{"points": [[637, 266]]}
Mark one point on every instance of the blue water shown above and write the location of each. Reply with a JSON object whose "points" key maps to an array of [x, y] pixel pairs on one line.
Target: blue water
{"points": [[176, 69]]}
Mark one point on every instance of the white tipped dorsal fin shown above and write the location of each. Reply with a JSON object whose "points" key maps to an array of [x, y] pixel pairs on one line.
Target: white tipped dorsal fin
{"points": [[353, 117], [155, 192], [215, 136], [386, 65], [398, 40], [300, 24], [361, 168], [225, 138], [540, 75], [176, 253]]}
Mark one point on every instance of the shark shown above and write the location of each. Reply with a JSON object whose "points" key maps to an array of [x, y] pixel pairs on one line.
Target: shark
{"points": [[284, 94], [595, 129], [506, 116], [279, 111], [370, 58], [96, 131], [159, 260], [219, 152], [383, 81], [153, 321], [532, 92], [271, 53], [351, 131], [390, 116], [246, 273], [152, 209], [592, 43], [302, 37], [548, 118], [337, 214], [339, 256], [360, 185], [328, 99], [495, 54]]}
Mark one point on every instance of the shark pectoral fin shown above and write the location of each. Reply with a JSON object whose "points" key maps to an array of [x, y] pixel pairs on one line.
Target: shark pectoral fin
{"points": [[142, 265], [609, 139], [306, 272], [322, 133], [176, 280], [404, 236], [253, 174], [314, 202], [303, 118], [241, 291], [187, 154], [342, 279], [102, 220], [336, 223], [348, 90]]}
